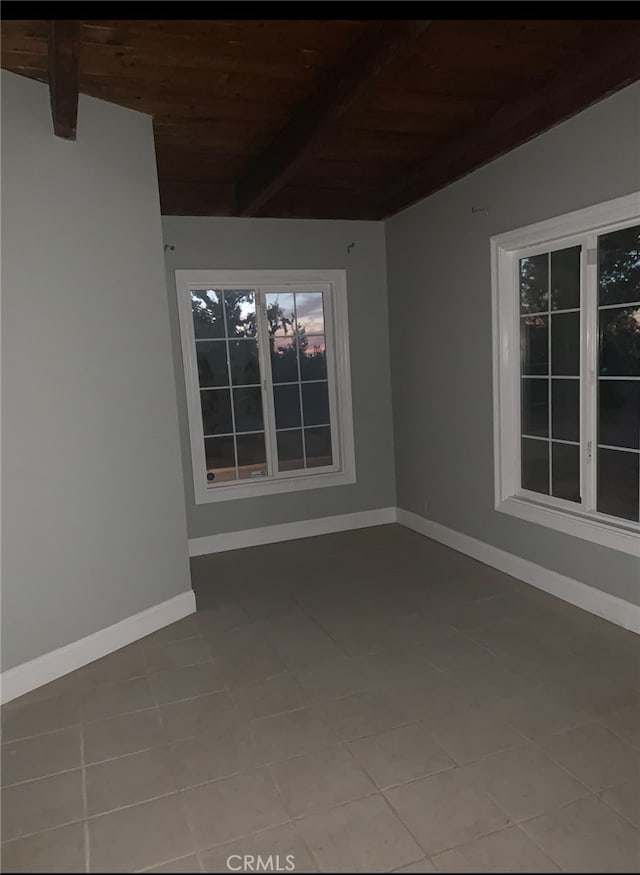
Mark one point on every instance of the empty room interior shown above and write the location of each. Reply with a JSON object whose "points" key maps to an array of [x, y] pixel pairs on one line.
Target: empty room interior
{"points": [[330, 329]]}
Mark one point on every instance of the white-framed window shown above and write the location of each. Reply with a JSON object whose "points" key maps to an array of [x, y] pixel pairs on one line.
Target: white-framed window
{"points": [[566, 352], [266, 362]]}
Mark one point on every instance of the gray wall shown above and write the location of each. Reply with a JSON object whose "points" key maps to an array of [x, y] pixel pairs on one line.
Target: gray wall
{"points": [[94, 524], [291, 244], [440, 320]]}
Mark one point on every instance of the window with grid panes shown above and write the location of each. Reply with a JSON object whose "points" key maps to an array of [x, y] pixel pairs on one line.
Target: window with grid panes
{"points": [[567, 356], [267, 371]]}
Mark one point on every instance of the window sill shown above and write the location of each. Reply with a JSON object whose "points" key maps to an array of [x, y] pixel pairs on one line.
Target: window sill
{"points": [[256, 488], [607, 534]]}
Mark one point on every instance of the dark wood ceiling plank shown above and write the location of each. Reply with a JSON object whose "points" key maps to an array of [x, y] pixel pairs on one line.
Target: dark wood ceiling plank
{"points": [[337, 91], [614, 66], [64, 60]]}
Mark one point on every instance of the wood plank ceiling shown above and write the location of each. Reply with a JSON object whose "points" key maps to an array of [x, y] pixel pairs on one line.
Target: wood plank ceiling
{"points": [[329, 118]]}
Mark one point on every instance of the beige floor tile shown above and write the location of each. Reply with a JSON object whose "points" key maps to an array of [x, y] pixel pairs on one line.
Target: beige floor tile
{"points": [[42, 804], [525, 782], [56, 850], [269, 606], [224, 616], [446, 809], [299, 641], [541, 710], [185, 628], [117, 736], [233, 807], [489, 678], [321, 779], [625, 799], [472, 733], [291, 733], [283, 844], [452, 651], [24, 720], [211, 713], [587, 836], [40, 756], [191, 863], [215, 755], [594, 755], [110, 700], [121, 665], [249, 662], [508, 850], [401, 665], [176, 684], [264, 698], [139, 836], [127, 780], [421, 866], [330, 678], [400, 755], [361, 714], [361, 836], [176, 654], [625, 724]]}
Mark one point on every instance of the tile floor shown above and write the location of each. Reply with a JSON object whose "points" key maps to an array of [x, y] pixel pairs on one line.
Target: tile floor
{"points": [[365, 701]]}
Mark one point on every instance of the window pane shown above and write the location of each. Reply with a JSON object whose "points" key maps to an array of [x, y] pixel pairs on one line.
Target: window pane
{"points": [[534, 284], [252, 455], [565, 344], [247, 407], [287, 405], [534, 344], [280, 314], [313, 358], [315, 403], [212, 363], [535, 407], [565, 278], [220, 459], [245, 369], [309, 312], [241, 313], [535, 465], [620, 342], [565, 468], [619, 266], [290, 450], [317, 443], [565, 409], [618, 483], [284, 360], [216, 411], [619, 407], [206, 308]]}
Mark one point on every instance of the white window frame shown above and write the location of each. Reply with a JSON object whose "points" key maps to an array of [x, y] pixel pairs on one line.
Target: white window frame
{"points": [[582, 521], [343, 469]]}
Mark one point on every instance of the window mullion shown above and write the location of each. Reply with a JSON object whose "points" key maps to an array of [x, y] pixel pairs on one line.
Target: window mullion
{"points": [[268, 407], [589, 336]]}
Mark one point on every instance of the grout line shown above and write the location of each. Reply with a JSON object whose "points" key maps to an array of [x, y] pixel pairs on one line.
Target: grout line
{"points": [[87, 849]]}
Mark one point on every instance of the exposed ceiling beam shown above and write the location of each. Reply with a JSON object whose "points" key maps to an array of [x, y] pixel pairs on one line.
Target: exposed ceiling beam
{"points": [[608, 69], [64, 56], [382, 42]]}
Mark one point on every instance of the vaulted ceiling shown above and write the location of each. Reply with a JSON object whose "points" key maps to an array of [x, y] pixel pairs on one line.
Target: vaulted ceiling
{"points": [[330, 118]]}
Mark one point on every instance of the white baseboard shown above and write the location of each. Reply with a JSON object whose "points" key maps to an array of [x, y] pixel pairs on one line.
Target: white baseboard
{"points": [[30, 675], [290, 531], [33, 674], [602, 604]]}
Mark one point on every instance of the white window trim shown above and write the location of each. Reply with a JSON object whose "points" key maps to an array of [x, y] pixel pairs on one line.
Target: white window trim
{"points": [[343, 471], [598, 528]]}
